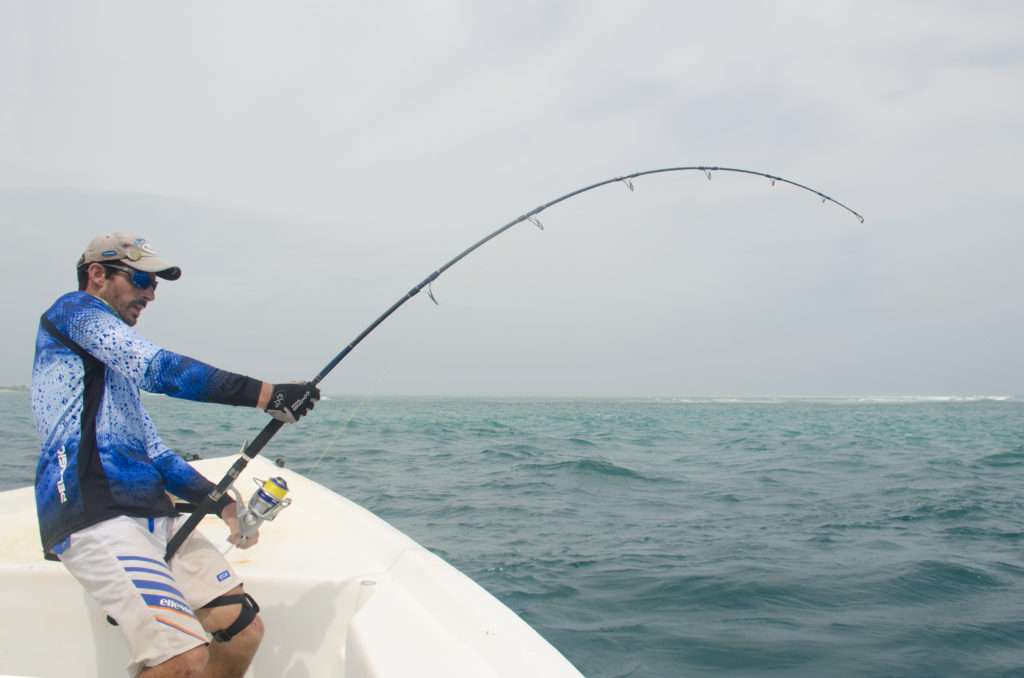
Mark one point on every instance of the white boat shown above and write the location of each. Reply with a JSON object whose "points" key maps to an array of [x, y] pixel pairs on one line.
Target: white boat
{"points": [[342, 593]]}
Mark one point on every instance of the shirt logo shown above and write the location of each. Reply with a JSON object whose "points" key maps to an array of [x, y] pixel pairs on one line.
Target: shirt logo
{"points": [[174, 605], [62, 461]]}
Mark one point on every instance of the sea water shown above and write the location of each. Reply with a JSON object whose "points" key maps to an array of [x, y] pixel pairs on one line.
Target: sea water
{"points": [[689, 537]]}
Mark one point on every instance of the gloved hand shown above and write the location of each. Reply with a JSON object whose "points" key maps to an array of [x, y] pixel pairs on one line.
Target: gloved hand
{"points": [[288, 402]]}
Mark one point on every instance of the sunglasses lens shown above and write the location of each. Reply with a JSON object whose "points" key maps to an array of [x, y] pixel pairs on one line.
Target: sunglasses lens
{"points": [[142, 279]]}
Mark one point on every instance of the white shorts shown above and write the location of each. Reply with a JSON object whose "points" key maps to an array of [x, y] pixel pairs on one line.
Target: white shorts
{"points": [[120, 563]]}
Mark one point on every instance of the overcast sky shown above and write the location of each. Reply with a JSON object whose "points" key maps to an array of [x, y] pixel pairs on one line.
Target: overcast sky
{"points": [[306, 163]]}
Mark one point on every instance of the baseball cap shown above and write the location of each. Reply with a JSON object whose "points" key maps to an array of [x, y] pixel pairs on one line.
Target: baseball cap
{"points": [[128, 249]]}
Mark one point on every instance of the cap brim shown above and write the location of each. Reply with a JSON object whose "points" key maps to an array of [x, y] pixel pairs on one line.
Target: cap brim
{"points": [[164, 269]]}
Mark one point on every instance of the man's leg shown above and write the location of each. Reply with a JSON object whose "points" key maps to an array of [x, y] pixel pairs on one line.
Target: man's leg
{"points": [[230, 659], [119, 562], [191, 664], [215, 592], [218, 660]]}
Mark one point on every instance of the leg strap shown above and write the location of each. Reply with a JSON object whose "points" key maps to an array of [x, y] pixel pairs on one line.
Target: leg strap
{"points": [[248, 612]]}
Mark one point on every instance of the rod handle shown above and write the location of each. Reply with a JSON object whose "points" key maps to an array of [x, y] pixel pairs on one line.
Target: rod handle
{"points": [[209, 501]]}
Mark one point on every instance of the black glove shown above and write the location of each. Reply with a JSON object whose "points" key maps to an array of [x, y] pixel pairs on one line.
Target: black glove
{"points": [[288, 402]]}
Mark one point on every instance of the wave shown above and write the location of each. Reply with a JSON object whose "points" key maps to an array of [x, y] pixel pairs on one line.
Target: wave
{"points": [[596, 467], [929, 399], [986, 533], [526, 487], [511, 451], [929, 580], [732, 593], [839, 400], [1013, 457], [955, 508]]}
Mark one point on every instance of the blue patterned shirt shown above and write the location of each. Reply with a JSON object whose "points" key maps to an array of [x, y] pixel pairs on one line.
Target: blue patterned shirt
{"points": [[101, 455]]}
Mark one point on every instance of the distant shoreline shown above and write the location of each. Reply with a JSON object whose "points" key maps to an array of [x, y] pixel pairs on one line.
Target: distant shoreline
{"points": [[738, 400]]}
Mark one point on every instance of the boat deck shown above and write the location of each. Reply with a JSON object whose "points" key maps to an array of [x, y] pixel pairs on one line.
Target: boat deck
{"points": [[342, 593]]}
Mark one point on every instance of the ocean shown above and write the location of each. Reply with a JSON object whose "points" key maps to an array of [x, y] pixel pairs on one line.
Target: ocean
{"points": [[685, 537]]}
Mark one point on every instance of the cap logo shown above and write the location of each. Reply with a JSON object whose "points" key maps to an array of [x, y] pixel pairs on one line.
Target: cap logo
{"points": [[131, 250], [108, 253], [143, 245]]}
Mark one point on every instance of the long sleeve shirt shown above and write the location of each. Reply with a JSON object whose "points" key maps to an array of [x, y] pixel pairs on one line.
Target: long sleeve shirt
{"points": [[101, 455]]}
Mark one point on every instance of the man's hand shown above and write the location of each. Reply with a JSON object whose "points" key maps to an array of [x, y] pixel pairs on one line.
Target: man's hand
{"points": [[288, 402], [230, 516]]}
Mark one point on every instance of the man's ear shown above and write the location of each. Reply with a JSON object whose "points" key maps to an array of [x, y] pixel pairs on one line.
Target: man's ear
{"points": [[96, 276]]}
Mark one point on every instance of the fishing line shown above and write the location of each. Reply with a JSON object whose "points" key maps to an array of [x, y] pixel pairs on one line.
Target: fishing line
{"points": [[335, 443], [352, 413], [250, 451]]}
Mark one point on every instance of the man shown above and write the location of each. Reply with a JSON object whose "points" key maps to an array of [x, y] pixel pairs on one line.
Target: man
{"points": [[103, 476]]}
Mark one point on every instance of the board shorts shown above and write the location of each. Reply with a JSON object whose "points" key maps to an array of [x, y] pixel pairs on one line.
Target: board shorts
{"points": [[120, 563]]}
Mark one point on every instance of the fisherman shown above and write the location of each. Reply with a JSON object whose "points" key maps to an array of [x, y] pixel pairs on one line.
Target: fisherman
{"points": [[104, 475]]}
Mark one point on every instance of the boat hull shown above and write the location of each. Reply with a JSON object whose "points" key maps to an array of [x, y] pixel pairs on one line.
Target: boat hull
{"points": [[342, 593]]}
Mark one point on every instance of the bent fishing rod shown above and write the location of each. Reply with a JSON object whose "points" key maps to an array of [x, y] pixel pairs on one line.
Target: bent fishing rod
{"points": [[250, 450]]}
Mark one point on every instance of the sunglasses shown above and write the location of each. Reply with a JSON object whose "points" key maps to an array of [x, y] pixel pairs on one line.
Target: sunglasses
{"points": [[140, 279]]}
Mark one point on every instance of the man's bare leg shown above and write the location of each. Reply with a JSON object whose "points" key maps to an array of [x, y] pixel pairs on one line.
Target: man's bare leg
{"points": [[186, 665]]}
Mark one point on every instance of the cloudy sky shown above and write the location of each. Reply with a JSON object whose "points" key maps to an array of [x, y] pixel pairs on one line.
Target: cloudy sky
{"points": [[306, 163]]}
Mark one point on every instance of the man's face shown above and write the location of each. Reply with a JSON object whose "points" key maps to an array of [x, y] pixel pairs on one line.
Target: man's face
{"points": [[116, 288]]}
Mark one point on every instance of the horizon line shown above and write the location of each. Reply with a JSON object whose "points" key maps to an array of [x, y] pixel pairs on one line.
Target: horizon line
{"points": [[676, 397]]}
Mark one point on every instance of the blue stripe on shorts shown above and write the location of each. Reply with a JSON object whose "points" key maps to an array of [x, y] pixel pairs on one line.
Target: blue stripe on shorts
{"points": [[156, 586]]}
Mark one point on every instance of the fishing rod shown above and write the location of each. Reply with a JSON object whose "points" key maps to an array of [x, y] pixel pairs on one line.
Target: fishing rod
{"points": [[250, 450]]}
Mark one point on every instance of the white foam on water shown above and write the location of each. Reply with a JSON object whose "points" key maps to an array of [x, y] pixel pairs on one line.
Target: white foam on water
{"points": [[841, 400]]}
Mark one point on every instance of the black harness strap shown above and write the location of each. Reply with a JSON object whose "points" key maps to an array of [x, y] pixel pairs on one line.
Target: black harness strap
{"points": [[65, 339], [248, 612]]}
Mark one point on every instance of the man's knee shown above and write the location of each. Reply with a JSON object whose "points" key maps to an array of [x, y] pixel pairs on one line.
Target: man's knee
{"points": [[252, 634], [233, 618]]}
